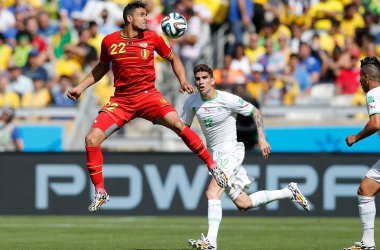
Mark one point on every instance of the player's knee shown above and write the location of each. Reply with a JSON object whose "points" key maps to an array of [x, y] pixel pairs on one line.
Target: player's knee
{"points": [[360, 191], [91, 140], [243, 206], [178, 126]]}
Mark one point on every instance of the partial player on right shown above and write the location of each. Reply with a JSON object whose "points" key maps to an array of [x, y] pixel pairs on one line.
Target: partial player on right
{"points": [[216, 112], [370, 185]]}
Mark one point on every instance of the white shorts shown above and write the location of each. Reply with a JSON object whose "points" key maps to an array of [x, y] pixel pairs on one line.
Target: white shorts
{"points": [[229, 160], [374, 172]]}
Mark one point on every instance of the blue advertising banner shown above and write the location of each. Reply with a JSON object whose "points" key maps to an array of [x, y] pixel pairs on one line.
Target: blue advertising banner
{"points": [[174, 183], [319, 139]]}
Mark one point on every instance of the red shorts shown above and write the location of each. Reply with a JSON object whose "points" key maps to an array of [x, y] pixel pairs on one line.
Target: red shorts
{"points": [[121, 109]]}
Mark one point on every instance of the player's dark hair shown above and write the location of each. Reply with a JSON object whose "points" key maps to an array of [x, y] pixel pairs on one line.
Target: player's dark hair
{"points": [[203, 68], [130, 8], [371, 66]]}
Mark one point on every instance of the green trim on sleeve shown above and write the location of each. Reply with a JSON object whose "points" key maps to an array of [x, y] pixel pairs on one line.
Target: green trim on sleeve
{"points": [[374, 113], [250, 112]]}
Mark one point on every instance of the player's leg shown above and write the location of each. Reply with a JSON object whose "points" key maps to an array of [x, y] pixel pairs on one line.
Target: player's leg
{"points": [[368, 188], [102, 127], [214, 216], [367, 209], [245, 202], [193, 142]]}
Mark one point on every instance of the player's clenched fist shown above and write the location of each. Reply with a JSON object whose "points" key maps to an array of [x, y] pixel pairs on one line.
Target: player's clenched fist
{"points": [[350, 140], [73, 93]]}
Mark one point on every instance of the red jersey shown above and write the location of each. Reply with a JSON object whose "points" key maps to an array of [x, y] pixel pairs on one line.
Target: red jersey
{"points": [[133, 60]]}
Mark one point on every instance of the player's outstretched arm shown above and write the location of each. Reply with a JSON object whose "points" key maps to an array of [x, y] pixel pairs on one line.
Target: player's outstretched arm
{"points": [[372, 126], [95, 75], [263, 144], [179, 71]]}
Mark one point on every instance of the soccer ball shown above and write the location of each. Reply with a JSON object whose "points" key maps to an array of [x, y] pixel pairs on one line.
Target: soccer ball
{"points": [[174, 25]]}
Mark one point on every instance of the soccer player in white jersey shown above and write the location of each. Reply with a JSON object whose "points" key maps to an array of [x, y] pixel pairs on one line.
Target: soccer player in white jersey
{"points": [[216, 112], [370, 185]]}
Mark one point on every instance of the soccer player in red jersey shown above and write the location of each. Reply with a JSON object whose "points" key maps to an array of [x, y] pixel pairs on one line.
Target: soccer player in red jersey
{"points": [[131, 54]]}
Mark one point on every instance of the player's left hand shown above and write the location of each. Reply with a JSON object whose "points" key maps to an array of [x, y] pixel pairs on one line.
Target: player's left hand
{"points": [[350, 140], [186, 87], [264, 148]]}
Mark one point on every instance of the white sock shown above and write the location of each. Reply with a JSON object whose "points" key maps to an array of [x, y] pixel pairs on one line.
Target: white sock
{"points": [[367, 213], [214, 219], [263, 197]]}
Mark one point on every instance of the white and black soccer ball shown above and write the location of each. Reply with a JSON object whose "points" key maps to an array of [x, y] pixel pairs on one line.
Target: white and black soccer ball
{"points": [[174, 25]]}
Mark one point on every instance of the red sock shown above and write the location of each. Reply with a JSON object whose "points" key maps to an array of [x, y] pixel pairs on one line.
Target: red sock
{"points": [[95, 166], [194, 142]]}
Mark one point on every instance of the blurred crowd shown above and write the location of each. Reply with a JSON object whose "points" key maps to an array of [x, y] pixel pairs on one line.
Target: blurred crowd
{"points": [[285, 52], [275, 51]]}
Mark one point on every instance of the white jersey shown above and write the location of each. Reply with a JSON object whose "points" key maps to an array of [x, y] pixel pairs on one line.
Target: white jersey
{"points": [[373, 102], [217, 117]]}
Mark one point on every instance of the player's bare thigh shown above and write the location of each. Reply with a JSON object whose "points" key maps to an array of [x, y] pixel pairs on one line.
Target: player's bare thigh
{"points": [[102, 127], [214, 192], [368, 187], [171, 120]]}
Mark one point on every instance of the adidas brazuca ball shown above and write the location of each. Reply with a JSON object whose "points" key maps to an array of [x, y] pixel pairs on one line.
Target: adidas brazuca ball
{"points": [[174, 25]]}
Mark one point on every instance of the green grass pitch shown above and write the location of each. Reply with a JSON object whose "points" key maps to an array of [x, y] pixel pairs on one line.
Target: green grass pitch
{"points": [[123, 232]]}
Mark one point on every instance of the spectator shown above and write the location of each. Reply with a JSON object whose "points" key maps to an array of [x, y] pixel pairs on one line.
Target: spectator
{"points": [[299, 74], [33, 68], [240, 61], [39, 97], [273, 62], [320, 14], [240, 16], [38, 42], [86, 54], [96, 38], [47, 27], [60, 39], [274, 94], [256, 85], [5, 53], [18, 82], [309, 62], [8, 98], [352, 20], [347, 81], [259, 13], [67, 65], [7, 19], [253, 51], [59, 92], [22, 49], [228, 76], [10, 139], [191, 44]]}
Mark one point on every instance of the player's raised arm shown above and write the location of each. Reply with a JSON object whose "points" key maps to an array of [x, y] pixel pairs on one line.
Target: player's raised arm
{"points": [[179, 71], [95, 75], [372, 126], [263, 144]]}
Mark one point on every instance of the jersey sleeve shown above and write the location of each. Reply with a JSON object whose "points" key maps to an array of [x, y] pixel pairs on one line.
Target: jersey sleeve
{"points": [[188, 113], [238, 105], [161, 47], [104, 57], [373, 102]]}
